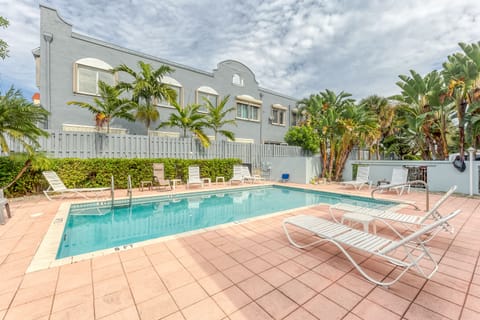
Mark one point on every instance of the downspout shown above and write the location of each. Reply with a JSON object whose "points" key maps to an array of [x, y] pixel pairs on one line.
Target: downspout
{"points": [[48, 37], [471, 160]]}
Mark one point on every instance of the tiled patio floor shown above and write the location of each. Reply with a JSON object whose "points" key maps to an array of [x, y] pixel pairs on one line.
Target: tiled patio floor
{"points": [[245, 271]]}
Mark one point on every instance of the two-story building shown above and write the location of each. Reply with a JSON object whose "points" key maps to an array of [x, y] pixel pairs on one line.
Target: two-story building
{"points": [[69, 66]]}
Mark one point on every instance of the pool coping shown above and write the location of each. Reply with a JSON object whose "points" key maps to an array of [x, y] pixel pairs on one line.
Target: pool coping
{"points": [[45, 256]]}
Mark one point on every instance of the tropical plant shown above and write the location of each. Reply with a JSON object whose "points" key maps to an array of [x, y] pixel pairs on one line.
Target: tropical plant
{"points": [[108, 106], [422, 95], [188, 118], [18, 120], [3, 45], [461, 72], [385, 113], [146, 88], [303, 136], [339, 126], [217, 118]]}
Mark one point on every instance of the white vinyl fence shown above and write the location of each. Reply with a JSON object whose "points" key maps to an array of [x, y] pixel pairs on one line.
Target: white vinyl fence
{"points": [[61, 144]]}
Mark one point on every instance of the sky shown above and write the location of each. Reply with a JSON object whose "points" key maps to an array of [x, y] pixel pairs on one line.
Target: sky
{"points": [[295, 47]]}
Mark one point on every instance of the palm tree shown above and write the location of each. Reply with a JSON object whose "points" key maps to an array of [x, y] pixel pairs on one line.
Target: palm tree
{"points": [[19, 119], [216, 118], [147, 87], [190, 119], [339, 125], [461, 72], [385, 113], [108, 106], [423, 95], [358, 126]]}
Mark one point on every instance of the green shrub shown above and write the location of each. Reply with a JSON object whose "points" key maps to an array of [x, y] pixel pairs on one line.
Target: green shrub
{"points": [[85, 173]]}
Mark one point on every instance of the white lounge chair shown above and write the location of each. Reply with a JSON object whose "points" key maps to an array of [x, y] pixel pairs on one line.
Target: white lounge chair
{"points": [[159, 176], [194, 176], [362, 178], [56, 186], [408, 220], [398, 181], [237, 174], [405, 253], [247, 177]]}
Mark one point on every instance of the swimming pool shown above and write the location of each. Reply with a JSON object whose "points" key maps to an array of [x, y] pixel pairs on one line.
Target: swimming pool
{"points": [[91, 227]]}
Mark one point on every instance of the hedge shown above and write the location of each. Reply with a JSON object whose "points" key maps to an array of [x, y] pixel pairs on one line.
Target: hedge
{"points": [[84, 173]]}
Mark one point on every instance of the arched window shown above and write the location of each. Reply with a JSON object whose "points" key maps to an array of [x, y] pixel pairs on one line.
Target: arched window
{"points": [[208, 93], [87, 72], [175, 85], [237, 80]]}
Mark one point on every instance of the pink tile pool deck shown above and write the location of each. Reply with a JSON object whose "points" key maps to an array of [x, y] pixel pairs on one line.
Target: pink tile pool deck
{"points": [[239, 271]]}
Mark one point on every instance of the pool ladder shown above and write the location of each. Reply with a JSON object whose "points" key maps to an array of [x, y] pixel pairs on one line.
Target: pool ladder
{"points": [[129, 190]]}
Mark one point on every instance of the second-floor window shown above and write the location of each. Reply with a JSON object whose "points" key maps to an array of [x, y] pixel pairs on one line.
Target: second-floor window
{"points": [[88, 72], [248, 112], [176, 86], [206, 93], [278, 116]]}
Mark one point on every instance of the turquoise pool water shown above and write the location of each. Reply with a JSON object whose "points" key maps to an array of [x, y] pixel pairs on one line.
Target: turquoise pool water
{"points": [[92, 227]]}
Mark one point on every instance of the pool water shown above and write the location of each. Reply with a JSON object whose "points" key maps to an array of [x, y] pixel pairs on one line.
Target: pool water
{"points": [[92, 227]]}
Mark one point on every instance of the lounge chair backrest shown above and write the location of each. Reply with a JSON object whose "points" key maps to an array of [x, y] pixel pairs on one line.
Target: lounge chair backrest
{"points": [[417, 234], [246, 172], [54, 181], [399, 176], [363, 173], [159, 171], [237, 171], [437, 205], [193, 173]]}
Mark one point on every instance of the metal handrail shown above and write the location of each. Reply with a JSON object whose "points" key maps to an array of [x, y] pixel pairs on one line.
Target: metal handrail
{"points": [[112, 189], [409, 184], [129, 190]]}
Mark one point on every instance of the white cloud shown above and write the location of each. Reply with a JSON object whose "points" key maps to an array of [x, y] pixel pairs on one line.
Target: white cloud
{"points": [[293, 47]]}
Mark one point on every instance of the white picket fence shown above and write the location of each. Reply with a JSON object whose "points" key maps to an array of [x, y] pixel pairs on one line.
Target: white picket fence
{"points": [[62, 144]]}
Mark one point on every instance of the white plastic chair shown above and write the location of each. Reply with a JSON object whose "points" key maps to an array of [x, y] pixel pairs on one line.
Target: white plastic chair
{"points": [[361, 179], [405, 253], [248, 177], [194, 176], [237, 174], [398, 181], [56, 186]]}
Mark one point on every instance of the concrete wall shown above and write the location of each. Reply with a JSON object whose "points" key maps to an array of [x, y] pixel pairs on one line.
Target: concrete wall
{"points": [[60, 48], [441, 175], [300, 169]]}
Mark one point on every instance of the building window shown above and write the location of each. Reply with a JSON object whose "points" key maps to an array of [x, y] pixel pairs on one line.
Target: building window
{"points": [[278, 114], [176, 86], [206, 93], [248, 112], [237, 80], [88, 72]]}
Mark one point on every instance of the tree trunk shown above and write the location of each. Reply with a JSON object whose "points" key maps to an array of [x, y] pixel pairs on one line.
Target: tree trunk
{"points": [[26, 165], [331, 160], [341, 162]]}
